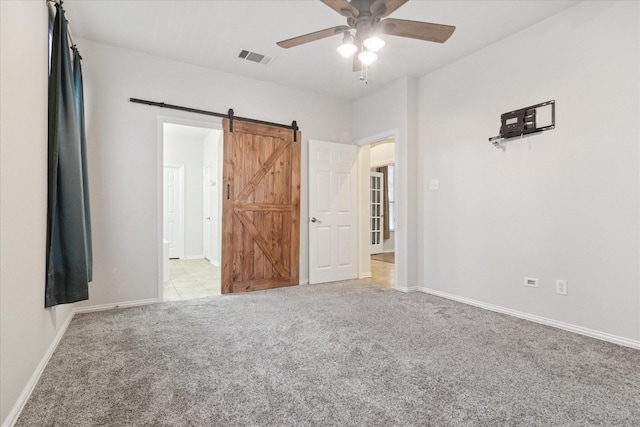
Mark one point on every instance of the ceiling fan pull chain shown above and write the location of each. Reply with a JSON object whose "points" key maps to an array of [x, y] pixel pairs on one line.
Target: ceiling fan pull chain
{"points": [[364, 75]]}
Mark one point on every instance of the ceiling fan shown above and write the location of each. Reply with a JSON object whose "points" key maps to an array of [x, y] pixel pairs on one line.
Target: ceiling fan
{"points": [[366, 18]]}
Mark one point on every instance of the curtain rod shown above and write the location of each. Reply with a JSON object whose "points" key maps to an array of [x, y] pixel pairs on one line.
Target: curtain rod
{"points": [[229, 115], [69, 35]]}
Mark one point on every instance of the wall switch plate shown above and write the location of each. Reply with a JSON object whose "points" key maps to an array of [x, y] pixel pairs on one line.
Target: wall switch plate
{"points": [[561, 287], [531, 282], [433, 184]]}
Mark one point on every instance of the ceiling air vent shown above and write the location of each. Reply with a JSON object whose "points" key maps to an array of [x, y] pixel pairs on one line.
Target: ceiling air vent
{"points": [[255, 57]]}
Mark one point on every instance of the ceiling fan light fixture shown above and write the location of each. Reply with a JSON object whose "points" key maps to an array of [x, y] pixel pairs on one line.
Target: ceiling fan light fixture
{"points": [[374, 43], [367, 57], [347, 48]]}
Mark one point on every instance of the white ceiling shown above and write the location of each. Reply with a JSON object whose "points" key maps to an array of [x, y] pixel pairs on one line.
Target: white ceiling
{"points": [[212, 33]]}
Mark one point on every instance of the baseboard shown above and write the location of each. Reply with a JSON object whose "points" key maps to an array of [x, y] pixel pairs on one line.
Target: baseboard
{"points": [[35, 377], [102, 307], [538, 319], [365, 275], [406, 289], [216, 263], [192, 257]]}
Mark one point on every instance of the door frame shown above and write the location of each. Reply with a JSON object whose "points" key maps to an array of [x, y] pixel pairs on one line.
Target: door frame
{"points": [[215, 124], [206, 197], [383, 198], [401, 204]]}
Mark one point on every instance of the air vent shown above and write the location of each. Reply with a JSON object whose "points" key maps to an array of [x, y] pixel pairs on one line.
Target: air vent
{"points": [[255, 57]]}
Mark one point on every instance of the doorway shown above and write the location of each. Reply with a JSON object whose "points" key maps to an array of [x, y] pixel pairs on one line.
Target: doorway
{"points": [[261, 207], [190, 209], [336, 247], [382, 217]]}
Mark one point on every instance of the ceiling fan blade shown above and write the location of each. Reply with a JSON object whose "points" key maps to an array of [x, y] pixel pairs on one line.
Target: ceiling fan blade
{"points": [[343, 7], [297, 41], [416, 30], [382, 8]]}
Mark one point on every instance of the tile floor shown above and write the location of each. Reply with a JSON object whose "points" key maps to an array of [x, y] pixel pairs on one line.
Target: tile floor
{"points": [[191, 278]]}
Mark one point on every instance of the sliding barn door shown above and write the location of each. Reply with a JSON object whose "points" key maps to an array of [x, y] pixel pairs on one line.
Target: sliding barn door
{"points": [[261, 207]]}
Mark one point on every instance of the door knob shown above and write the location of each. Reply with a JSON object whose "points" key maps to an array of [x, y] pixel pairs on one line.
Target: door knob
{"points": [[314, 219]]}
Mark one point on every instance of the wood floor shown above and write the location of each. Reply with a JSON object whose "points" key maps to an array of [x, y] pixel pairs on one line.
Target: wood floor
{"points": [[385, 256], [382, 273]]}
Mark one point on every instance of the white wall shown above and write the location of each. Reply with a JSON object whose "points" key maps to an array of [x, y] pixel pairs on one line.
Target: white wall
{"points": [[389, 245], [383, 154], [189, 151], [27, 329], [392, 112], [559, 205], [364, 211], [123, 151]]}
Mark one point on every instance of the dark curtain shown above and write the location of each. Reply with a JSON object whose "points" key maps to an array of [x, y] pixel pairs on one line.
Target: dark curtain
{"points": [[79, 102], [386, 233], [68, 224]]}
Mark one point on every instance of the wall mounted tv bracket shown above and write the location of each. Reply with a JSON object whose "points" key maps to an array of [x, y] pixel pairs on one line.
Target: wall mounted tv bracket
{"points": [[526, 121]]}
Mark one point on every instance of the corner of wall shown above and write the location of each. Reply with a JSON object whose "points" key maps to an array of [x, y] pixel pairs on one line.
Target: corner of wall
{"points": [[563, 204], [538, 319], [28, 332], [18, 406]]}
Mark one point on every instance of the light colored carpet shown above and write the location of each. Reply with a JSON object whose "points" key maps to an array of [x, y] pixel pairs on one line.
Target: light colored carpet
{"points": [[335, 354]]}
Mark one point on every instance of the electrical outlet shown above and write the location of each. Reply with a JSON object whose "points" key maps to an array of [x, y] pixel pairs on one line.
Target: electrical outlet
{"points": [[433, 184], [531, 282], [561, 287]]}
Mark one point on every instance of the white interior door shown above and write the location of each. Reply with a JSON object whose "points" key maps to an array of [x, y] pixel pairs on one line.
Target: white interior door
{"points": [[376, 224], [333, 212], [216, 202], [207, 239], [173, 207]]}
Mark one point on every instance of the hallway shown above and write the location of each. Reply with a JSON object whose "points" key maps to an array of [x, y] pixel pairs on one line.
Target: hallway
{"points": [[191, 278], [383, 272]]}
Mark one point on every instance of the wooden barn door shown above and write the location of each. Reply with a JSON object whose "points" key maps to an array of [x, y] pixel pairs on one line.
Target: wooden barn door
{"points": [[261, 207]]}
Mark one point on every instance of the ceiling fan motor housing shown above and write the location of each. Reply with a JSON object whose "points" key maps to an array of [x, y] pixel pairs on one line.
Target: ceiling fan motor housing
{"points": [[366, 18]]}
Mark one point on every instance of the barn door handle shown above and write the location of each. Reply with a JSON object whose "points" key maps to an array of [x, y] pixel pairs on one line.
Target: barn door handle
{"points": [[314, 219]]}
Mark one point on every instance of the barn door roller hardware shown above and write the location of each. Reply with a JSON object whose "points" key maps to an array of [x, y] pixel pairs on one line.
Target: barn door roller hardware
{"points": [[230, 115], [525, 121]]}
